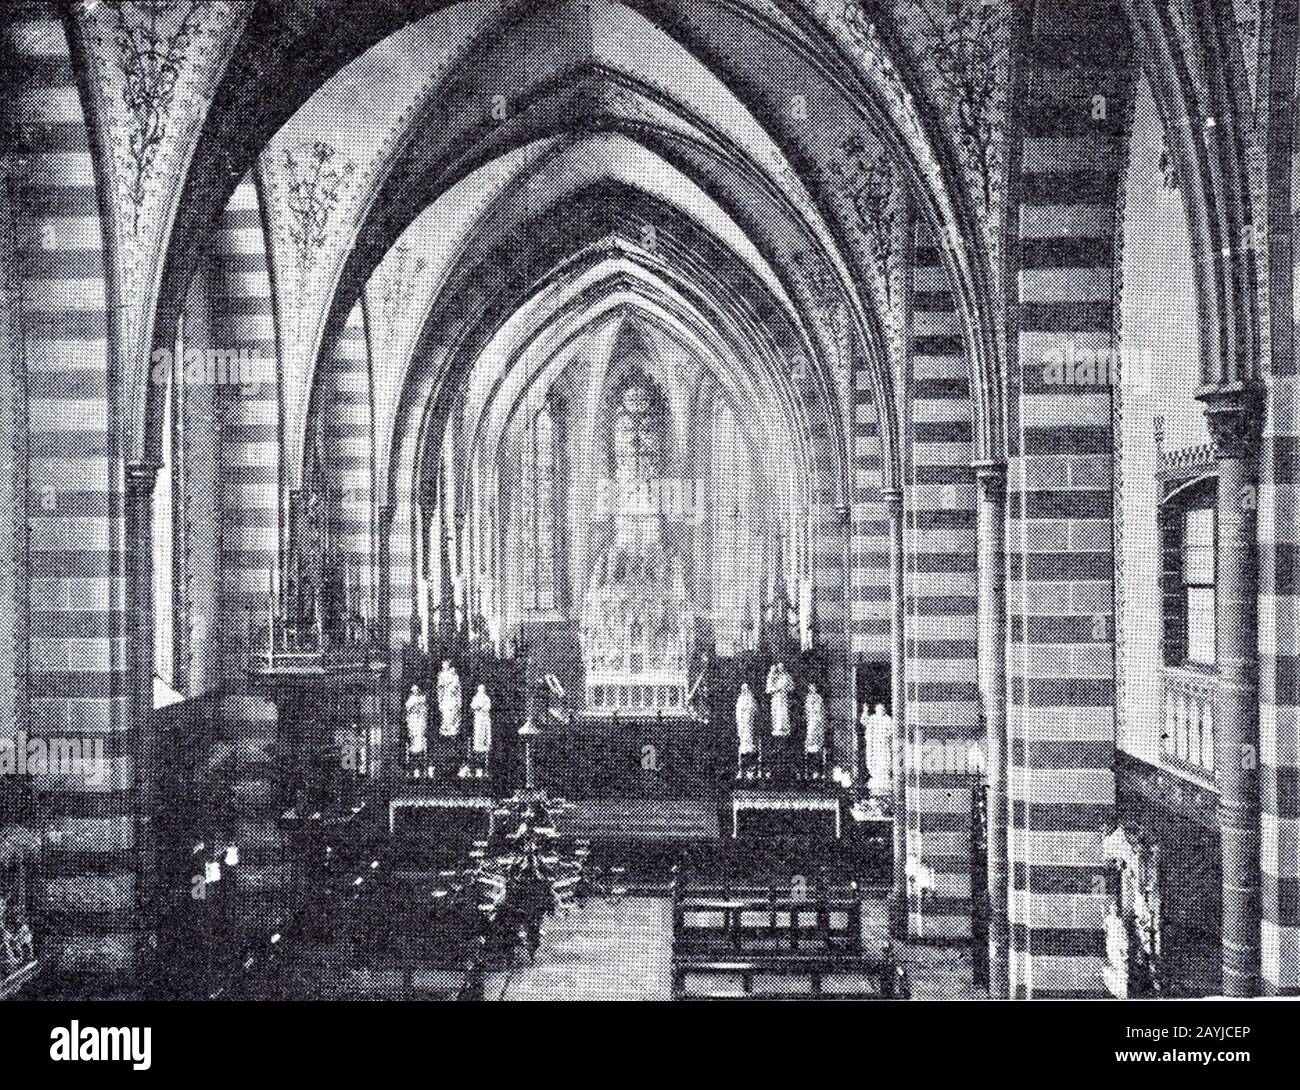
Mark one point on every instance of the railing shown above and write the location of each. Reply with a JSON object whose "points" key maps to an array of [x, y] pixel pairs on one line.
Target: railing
{"points": [[1198, 458], [284, 647], [1187, 709]]}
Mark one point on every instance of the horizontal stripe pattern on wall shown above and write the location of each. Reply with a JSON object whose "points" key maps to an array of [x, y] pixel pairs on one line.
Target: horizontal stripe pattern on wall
{"points": [[1061, 671]]}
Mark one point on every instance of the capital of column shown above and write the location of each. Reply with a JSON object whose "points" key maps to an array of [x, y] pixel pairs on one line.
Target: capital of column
{"points": [[141, 477], [992, 477], [1234, 414]]}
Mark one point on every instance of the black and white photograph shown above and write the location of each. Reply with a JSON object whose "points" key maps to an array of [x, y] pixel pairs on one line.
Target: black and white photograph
{"points": [[728, 501]]}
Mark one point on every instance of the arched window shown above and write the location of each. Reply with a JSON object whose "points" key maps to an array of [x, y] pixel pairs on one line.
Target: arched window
{"points": [[1189, 579], [1187, 529], [1198, 592], [538, 503]]}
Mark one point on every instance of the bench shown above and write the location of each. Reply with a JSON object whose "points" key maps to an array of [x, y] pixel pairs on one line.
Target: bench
{"points": [[787, 977], [701, 924], [761, 945]]}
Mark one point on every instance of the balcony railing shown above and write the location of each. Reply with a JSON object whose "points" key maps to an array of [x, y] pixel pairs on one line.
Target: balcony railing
{"points": [[1188, 702]]}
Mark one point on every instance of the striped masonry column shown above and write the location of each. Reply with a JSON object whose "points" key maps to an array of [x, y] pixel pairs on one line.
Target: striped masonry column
{"points": [[872, 602], [1061, 673], [869, 574], [1279, 680], [401, 557], [198, 495], [1279, 546], [1233, 416], [250, 454], [830, 562], [992, 579], [14, 575], [80, 688], [349, 453], [941, 671]]}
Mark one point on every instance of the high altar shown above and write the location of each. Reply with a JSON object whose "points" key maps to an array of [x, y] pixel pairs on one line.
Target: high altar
{"points": [[637, 626]]}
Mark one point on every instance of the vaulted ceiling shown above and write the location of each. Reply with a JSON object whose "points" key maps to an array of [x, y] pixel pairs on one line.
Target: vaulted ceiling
{"points": [[600, 101], [392, 149]]}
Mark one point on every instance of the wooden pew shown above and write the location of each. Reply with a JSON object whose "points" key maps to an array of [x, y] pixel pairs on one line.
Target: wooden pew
{"points": [[787, 977], [703, 925], [729, 945]]}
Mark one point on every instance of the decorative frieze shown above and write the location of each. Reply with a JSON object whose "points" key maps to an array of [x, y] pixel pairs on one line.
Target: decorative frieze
{"points": [[868, 181]]}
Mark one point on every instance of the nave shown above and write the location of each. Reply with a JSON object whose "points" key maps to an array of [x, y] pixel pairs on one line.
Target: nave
{"points": [[833, 452]]}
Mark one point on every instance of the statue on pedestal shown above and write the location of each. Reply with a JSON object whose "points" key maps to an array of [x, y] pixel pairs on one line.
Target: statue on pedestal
{"points": [[814, 744], [16, 941], [878, 741], [450, 699], [746, 713], [481, 706], [417, 721], [1116, 969], [779, 687]]}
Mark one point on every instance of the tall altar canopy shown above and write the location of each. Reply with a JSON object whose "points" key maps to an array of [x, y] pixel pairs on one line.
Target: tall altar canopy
{"points": [[638, 622]]}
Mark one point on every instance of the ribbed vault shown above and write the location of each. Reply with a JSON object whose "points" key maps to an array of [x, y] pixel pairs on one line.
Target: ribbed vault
{"points": [[603, 62]]}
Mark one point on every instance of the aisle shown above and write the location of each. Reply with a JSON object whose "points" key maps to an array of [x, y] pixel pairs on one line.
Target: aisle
{"points": [[603, 950]]}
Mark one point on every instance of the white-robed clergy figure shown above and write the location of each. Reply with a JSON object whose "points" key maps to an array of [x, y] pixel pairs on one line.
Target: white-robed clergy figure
{"points": [[746, 714], [417, 721], [450, 698], [481, 706], [878, 738], [814, 711], [779, 687]]}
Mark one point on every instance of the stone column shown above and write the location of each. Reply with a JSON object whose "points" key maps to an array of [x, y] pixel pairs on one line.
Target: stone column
{"points": [[464, 607], [419, 572], [844, 735], [898, 699], [390, 696], [143, 745], [991, 558], [1233, 413]]}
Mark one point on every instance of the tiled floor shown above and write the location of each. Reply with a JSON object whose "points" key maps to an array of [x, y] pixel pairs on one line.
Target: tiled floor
{"points": [[603, 950], [936, 972]]}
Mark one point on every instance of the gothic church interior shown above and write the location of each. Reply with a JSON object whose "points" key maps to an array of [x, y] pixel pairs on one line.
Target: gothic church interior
{"points": [[649, 499]]}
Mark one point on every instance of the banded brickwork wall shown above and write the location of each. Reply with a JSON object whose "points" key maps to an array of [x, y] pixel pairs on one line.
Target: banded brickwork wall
{"points": [[79, 688]]}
